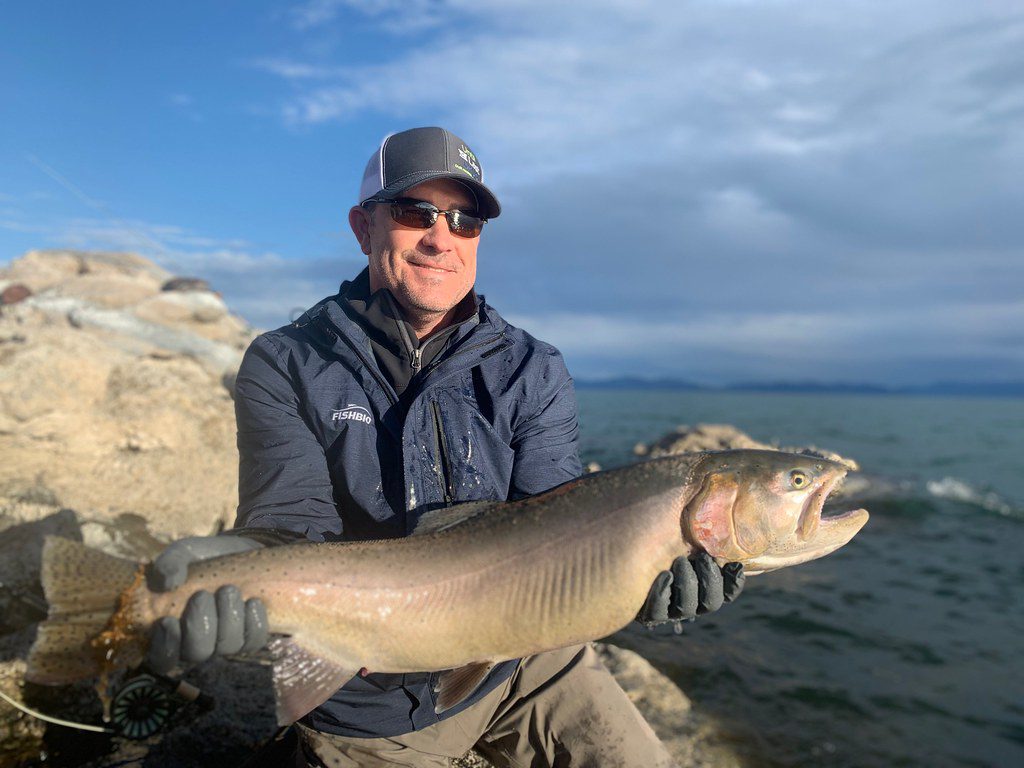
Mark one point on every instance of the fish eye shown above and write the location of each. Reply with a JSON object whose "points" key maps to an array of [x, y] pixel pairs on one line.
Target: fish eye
{"points": [[798, 479]]}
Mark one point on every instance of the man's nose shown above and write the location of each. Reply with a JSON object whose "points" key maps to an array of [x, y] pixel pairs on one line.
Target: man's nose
{"points": [[439, 237]]}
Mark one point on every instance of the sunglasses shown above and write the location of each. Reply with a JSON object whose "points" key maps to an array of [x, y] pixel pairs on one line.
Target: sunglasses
{"points": [[419, 214]]}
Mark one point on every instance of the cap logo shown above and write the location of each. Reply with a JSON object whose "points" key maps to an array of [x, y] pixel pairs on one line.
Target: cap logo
{"points": [[469, 159]]}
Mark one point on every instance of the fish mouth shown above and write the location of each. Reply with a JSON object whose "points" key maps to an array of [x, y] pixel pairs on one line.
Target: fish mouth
{"points": [[833, 532], [817, 534]]}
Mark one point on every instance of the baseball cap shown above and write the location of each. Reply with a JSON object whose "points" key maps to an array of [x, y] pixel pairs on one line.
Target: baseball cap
{"points": [[411, 157]]}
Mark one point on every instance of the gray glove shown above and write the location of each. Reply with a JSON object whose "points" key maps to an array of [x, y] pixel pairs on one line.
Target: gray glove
{"points": [[690, 588], [211, 623]]}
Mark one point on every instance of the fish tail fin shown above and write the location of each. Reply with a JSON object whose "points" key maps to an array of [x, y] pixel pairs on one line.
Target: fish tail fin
{"points": [[85, 588]]}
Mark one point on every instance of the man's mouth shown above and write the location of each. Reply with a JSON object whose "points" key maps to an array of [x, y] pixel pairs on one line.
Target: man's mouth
{"points": [[434, 268]]}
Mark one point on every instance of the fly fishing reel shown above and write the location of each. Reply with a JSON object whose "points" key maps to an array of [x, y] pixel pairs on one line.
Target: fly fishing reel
{"points": [[144, 704], [141, 707]]}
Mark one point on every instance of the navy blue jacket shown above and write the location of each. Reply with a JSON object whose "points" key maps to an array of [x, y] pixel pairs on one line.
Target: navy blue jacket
{"points": [[327, 450]]}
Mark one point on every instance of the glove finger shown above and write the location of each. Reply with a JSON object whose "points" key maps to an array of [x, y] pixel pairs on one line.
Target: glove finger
{"points": [[685, 590], [199, 627], [170, 569], [257, 628], [709, 579], [655, 608], [230, 620], [164, 645], [733, 578], [206, 547]]}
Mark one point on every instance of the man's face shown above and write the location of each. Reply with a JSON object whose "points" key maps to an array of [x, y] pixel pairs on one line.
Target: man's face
{"points": [[428, 271]]}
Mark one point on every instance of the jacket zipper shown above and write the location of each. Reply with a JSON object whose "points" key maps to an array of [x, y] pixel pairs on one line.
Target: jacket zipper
{"points": [[443, 466], [497, 348], [415, 351]]}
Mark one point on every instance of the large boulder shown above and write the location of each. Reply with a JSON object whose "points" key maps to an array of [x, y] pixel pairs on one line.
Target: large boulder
{"points": [[721, 437], [113, 396]]}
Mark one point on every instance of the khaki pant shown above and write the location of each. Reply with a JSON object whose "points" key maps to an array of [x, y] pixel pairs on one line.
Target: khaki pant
{"points": [[559, 709]]}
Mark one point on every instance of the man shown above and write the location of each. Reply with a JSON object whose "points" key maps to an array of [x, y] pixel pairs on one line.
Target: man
{"points": [[407, 392]]}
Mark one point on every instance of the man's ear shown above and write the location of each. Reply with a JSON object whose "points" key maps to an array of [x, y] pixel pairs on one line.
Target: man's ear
{"points": [[359, 220]]}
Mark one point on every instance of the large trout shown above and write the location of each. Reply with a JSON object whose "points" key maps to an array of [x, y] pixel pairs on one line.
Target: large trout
{"points": [[477, 583]]}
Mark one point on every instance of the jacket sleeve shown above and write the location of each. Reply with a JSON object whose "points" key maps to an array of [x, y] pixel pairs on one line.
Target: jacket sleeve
{"points": [[283, 478], [546, 443]]}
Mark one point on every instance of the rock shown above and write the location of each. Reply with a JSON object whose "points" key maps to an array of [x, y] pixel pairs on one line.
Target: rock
{"points": [[177, 307], [14, 293], [44, 269], [721, 437], [703, 437], [115, 396], [21, 735], [186, 284]]}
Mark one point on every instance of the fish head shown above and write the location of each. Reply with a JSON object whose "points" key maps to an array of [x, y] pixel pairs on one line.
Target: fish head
{"points": [[764, 508]]}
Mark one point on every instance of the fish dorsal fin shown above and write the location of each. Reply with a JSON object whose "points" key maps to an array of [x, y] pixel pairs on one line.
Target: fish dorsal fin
{"points": [[302, 680], [456, 685], [448, 517]]}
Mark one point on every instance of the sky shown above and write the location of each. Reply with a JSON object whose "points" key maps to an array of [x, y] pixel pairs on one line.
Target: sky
{"points": [[717, 191]]}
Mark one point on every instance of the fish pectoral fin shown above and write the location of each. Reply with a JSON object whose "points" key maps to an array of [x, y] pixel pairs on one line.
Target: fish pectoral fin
{"points": [[456, 685], [302, 679]]}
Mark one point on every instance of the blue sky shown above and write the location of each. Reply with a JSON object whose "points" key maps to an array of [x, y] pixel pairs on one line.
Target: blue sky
{"points": [[718, 191]]}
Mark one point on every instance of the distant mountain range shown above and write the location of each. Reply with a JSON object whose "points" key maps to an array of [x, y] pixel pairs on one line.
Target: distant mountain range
{"points": [[940, 388]]}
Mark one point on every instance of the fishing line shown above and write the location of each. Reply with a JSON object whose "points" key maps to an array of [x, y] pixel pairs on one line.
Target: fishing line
{"points": [[142, 236], [54, 720]]}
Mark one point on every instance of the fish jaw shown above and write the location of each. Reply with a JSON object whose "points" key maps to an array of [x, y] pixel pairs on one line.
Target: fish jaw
{"points": [[832, 533]]}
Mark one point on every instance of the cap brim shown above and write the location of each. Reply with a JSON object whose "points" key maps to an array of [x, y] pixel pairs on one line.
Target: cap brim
{"points": [[489, 206]]}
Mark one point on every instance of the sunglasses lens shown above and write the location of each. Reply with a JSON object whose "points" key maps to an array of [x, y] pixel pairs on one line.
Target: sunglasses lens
{"points": [[412, 215], [464, 224]]}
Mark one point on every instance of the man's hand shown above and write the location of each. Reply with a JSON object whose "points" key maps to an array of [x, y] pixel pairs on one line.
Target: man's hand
{"points": [[211, 623], [692, 587]]}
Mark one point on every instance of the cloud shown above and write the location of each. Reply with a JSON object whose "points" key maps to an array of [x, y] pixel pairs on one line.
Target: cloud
{"points": [[625, 81], [396, 16], [185, 104], [288, 69]]}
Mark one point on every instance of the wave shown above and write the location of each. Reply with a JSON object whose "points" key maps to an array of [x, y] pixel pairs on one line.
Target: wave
{"points": [[954, 489]]}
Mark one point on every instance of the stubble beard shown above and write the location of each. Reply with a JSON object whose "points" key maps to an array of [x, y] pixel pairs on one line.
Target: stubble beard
{"points": [[423, 302]]}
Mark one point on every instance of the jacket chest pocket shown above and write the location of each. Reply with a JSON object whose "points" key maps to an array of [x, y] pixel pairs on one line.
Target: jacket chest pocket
{"points": [[476, 458]]}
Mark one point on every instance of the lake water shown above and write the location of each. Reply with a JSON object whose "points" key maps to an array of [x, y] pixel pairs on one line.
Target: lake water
{"points": [[905, 648]]}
